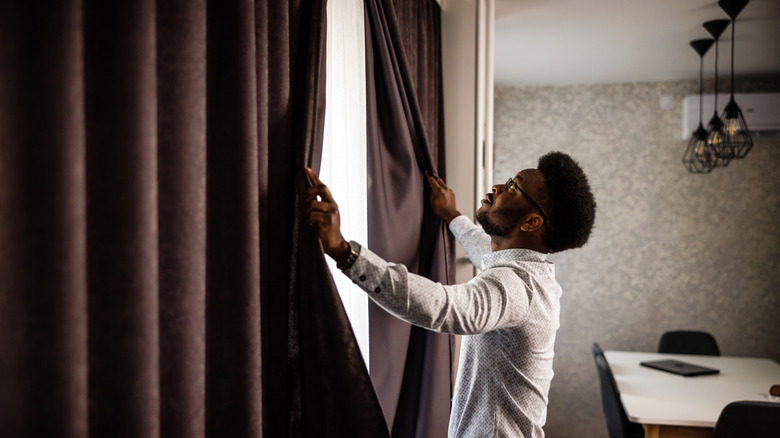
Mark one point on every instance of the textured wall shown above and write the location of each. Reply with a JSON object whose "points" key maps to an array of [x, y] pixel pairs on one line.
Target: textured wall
{"points": [[670, 250]]}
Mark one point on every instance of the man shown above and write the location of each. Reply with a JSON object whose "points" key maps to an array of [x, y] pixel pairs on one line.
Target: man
{"points": [[510, 310]]}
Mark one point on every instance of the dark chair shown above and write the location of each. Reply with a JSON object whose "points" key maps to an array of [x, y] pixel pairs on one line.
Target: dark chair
{"points": [[747, 419], [618, 424], [688, 342]]}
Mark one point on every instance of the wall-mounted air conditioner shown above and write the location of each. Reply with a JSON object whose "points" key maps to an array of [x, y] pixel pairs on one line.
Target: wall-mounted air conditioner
{"points": [[761, 111]]}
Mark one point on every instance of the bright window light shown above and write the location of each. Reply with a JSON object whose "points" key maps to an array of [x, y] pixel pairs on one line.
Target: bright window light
{"points": [[343, 166]]}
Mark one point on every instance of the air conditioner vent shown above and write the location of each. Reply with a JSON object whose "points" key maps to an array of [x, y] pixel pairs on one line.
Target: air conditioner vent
{"points": [[761, 111]]}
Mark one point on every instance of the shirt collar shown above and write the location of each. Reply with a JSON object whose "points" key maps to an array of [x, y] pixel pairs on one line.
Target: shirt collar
{"points": [[512, 255]]}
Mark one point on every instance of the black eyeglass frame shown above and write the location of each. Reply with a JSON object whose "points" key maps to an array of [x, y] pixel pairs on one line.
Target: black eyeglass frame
{"points": [[511, 183]]}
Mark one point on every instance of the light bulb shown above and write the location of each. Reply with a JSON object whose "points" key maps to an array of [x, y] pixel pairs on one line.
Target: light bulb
{"points": [[714, 139], [700, 148], [733, 125]]}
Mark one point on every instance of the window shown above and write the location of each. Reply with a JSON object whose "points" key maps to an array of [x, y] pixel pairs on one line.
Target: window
{"points": [[343, 166]]}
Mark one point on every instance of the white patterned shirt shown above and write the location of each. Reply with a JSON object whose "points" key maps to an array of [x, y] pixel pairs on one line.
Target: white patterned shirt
{"points": [[510, 312]]}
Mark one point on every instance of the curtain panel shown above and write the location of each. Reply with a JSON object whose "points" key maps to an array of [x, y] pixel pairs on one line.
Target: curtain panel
{"points": [[156, 275], [410, 366]]}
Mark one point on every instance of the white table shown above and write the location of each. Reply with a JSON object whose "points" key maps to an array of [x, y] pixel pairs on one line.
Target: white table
{"points": [[670, 405]]}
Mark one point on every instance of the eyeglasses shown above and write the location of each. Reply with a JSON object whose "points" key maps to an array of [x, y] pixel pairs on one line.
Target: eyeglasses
{"points": [[511, 183]]}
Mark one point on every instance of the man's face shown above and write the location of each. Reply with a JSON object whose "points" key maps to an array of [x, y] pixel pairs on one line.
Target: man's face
{"points": [[506, 206]]}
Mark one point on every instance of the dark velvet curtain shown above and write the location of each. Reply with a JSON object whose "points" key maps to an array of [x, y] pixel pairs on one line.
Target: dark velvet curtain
{"points": [[410, 366], [156, 278]]}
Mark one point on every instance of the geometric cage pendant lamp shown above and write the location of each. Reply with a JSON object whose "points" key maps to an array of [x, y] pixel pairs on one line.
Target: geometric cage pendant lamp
{"points": [[716, 132], [737, 136], [699, 156]]}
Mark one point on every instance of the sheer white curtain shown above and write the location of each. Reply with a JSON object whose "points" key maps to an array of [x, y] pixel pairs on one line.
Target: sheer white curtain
{"points": [[343, 166]]}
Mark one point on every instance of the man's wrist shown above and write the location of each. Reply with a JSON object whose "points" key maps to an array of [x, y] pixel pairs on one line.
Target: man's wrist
{"points": [[354, 253], [450, 216], [340, 253]]}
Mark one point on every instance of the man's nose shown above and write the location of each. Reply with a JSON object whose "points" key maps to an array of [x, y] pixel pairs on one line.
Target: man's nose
{"points": [[498, 188]]}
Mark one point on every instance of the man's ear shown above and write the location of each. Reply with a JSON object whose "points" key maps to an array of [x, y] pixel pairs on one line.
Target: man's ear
{"points": [[532, 223]]}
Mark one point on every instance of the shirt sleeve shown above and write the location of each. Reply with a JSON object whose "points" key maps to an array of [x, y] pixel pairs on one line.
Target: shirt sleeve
{"points": [[495, 299], [472, 238]]}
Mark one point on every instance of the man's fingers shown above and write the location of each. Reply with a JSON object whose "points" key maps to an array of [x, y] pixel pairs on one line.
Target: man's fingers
{"points": [[319, 190], [322, 207], [314, 178], [319, 207], [318, 219], [434, 183], [431, 180], [325, 194], [319, 214], [312, 193]]}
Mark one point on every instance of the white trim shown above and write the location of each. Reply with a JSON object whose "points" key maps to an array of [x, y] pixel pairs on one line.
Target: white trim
{"points": [[484, 86]]}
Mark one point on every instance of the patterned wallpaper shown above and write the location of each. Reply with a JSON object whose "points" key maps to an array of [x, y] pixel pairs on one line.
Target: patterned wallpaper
{"points": [[670, 250]]}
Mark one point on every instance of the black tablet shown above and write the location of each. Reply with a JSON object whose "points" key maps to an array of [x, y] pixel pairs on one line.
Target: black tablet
{"points": [[678, 367]]}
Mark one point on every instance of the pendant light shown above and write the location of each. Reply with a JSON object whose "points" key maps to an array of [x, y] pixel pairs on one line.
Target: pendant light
{"points": [[698, 156], [737, 134], [716, 133]]}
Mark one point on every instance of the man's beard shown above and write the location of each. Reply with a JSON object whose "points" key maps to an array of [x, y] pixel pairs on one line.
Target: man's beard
{"points": [[493, 228]]}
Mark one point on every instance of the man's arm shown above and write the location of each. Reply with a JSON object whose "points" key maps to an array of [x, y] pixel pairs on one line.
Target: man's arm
{"points": [[493, 300], [481, 305], [472, 238]]}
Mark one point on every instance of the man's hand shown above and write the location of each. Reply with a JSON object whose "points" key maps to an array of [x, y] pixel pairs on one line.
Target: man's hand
{"points": [[442, 199], [323, 213]]}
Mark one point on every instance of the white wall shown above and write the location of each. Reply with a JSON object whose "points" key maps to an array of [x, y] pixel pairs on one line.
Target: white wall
{"points": [[459, 71]]}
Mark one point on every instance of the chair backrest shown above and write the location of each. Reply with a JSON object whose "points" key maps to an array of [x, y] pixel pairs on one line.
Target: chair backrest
{"points": [[618, 424], [597, 351], [688, 342], [744, 419]]}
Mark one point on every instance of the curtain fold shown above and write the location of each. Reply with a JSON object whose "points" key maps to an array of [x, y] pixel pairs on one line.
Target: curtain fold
{"points": [[181, 175], [121, 194], [410, 366], [43, 256], [275, 131], [233, 341], [157, 277]]}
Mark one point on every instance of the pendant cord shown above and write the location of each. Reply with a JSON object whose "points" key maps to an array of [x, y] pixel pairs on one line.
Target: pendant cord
{"points": [[701, 90], [716, 76], [732, 56]]}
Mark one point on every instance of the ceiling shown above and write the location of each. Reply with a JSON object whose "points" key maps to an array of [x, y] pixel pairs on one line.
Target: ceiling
{"points": [[562, 42]]}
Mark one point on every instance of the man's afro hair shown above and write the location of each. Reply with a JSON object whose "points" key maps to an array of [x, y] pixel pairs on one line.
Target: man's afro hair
{"points": [[571, 207]]}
